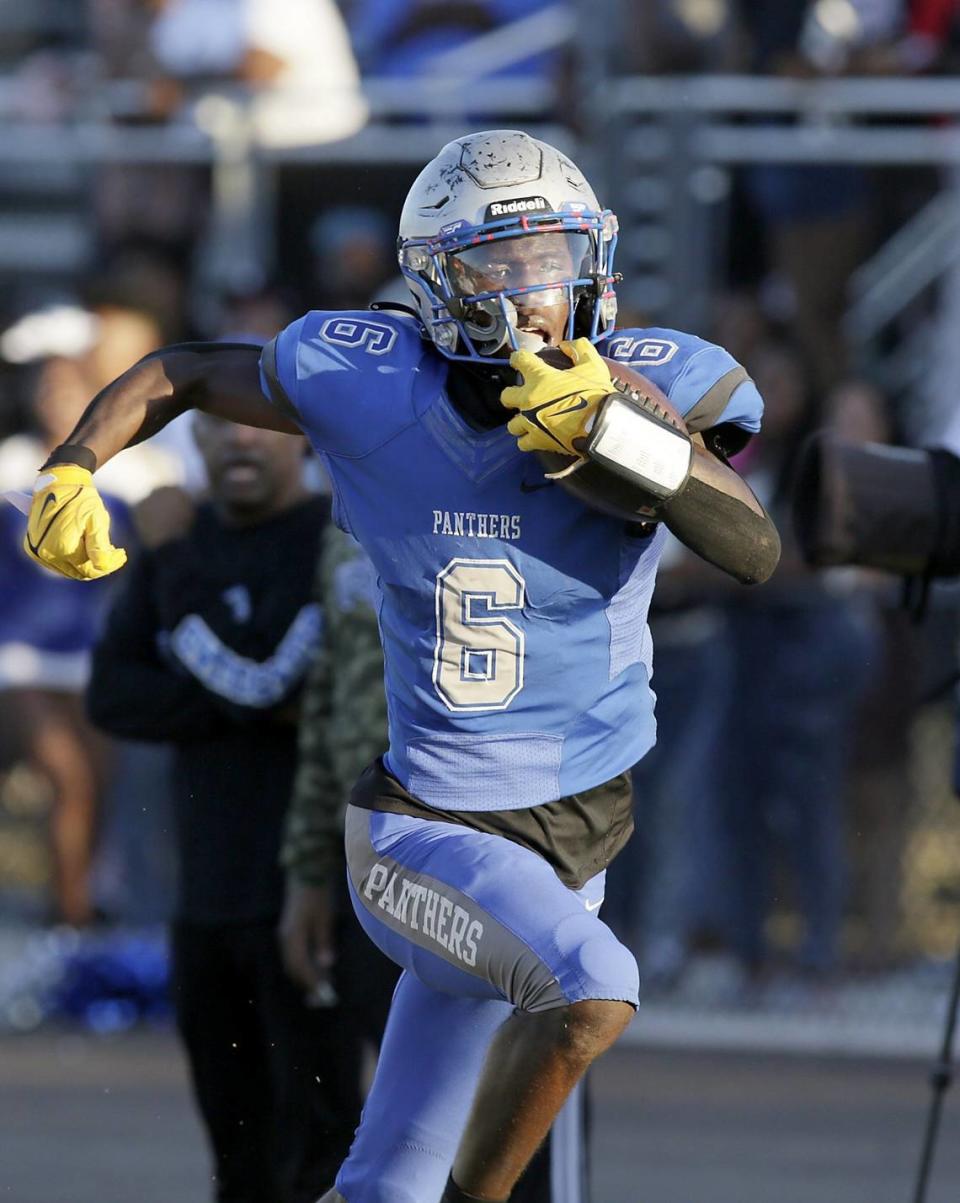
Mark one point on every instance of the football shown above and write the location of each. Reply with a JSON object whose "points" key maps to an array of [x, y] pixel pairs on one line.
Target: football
{"points": [[590, 484], [626, 379]]}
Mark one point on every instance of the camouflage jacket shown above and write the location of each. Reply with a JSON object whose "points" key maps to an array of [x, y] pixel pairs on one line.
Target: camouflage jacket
{"points": [[343, 719]]}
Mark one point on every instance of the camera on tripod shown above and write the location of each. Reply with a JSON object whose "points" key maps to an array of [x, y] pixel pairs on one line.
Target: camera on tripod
{"points": [[882, 507], [896, 509], [892, 508]]}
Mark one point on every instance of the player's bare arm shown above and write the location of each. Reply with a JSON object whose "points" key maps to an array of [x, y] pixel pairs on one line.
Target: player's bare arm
{"points": [[68, 529], [219, 378], [718, 516], [651, 466]]}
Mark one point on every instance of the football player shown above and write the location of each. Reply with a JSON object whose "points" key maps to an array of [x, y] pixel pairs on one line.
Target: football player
{"points": [[513, 616]]}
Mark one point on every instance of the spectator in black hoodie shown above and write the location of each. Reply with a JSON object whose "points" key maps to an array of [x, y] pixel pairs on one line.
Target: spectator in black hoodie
{"points": [[207, 648]]}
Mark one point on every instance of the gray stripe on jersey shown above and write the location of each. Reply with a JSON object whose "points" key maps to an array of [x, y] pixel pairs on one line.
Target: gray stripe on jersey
{"points": [[443, 920], [714, 401], [567, 1162], [278, 394]]}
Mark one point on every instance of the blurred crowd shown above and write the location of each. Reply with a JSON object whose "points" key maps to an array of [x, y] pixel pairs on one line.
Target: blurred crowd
{"points": [[782, 817]]}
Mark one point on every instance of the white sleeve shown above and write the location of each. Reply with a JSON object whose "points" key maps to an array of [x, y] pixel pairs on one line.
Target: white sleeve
{"points": [[309, 35], [317, 96]]}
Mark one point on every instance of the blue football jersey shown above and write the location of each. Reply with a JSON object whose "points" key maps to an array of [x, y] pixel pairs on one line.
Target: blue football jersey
{"points": [[513, 617]]}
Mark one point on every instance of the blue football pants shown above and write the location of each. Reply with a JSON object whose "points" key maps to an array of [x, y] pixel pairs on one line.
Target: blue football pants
{"points": [[481, 926]]}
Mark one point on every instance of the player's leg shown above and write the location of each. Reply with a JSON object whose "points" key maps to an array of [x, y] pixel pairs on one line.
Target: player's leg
{"points": [[569, 1152], [480, 916], [365, 980], [559, 1173], [534, 1063], [363, 977], [431, 1056]]}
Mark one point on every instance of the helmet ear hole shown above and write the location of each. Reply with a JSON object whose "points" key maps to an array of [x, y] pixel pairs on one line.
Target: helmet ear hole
{"points": [[486, 324]]}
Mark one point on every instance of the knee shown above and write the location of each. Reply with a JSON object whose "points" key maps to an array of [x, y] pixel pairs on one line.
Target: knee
{"points": [[586, 1029], [596, 966]]}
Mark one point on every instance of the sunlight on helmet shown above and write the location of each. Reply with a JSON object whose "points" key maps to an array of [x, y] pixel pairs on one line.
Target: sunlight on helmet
{"points": [[504, 245]]}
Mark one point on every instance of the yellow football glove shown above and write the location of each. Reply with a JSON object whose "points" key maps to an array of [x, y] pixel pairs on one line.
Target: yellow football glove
{"points": [[68, 527], [555, 405]]}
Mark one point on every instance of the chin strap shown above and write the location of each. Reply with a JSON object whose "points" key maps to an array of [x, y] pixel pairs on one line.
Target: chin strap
{"points": [[399, 306]]}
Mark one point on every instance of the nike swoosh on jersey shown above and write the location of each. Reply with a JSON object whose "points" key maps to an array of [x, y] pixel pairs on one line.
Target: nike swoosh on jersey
{"points": [[594, 906]]}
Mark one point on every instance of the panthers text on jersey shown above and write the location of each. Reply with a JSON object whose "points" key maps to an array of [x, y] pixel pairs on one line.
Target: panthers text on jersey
{"points": [[513, 618]]}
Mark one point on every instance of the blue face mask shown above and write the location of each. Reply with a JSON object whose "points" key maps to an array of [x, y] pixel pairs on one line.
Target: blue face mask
{"points": [[481, 278]]}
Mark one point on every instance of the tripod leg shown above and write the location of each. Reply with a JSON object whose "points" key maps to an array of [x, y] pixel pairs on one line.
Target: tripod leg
{"points": [[940, 1078]]}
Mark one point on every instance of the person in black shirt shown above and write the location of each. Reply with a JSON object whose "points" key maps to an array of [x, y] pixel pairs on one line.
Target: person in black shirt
{"points": [[207, 648]]}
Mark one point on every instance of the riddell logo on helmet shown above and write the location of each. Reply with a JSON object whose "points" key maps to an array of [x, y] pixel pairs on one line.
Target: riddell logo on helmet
{"points": [[523, 204]]}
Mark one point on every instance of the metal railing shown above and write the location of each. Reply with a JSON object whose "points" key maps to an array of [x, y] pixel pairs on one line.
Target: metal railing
{"points": [[694, 132], [661, 149]]}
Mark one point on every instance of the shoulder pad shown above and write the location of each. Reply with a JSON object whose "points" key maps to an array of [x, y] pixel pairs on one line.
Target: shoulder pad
{"points": [[703, 381], [346, 376]]}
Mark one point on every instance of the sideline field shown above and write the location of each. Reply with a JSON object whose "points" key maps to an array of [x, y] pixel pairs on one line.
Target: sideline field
{"points": [[94, 1121]]}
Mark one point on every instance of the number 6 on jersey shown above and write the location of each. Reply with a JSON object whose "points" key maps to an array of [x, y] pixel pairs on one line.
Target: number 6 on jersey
{"points": [[478, 657]]}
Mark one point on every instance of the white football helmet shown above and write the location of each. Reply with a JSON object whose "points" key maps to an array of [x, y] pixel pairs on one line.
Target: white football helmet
{"points": [[484, 189]]}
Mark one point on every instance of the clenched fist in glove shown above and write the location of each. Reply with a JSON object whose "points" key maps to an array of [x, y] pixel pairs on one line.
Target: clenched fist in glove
{"points": [[68, 527], [554, 407]]}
